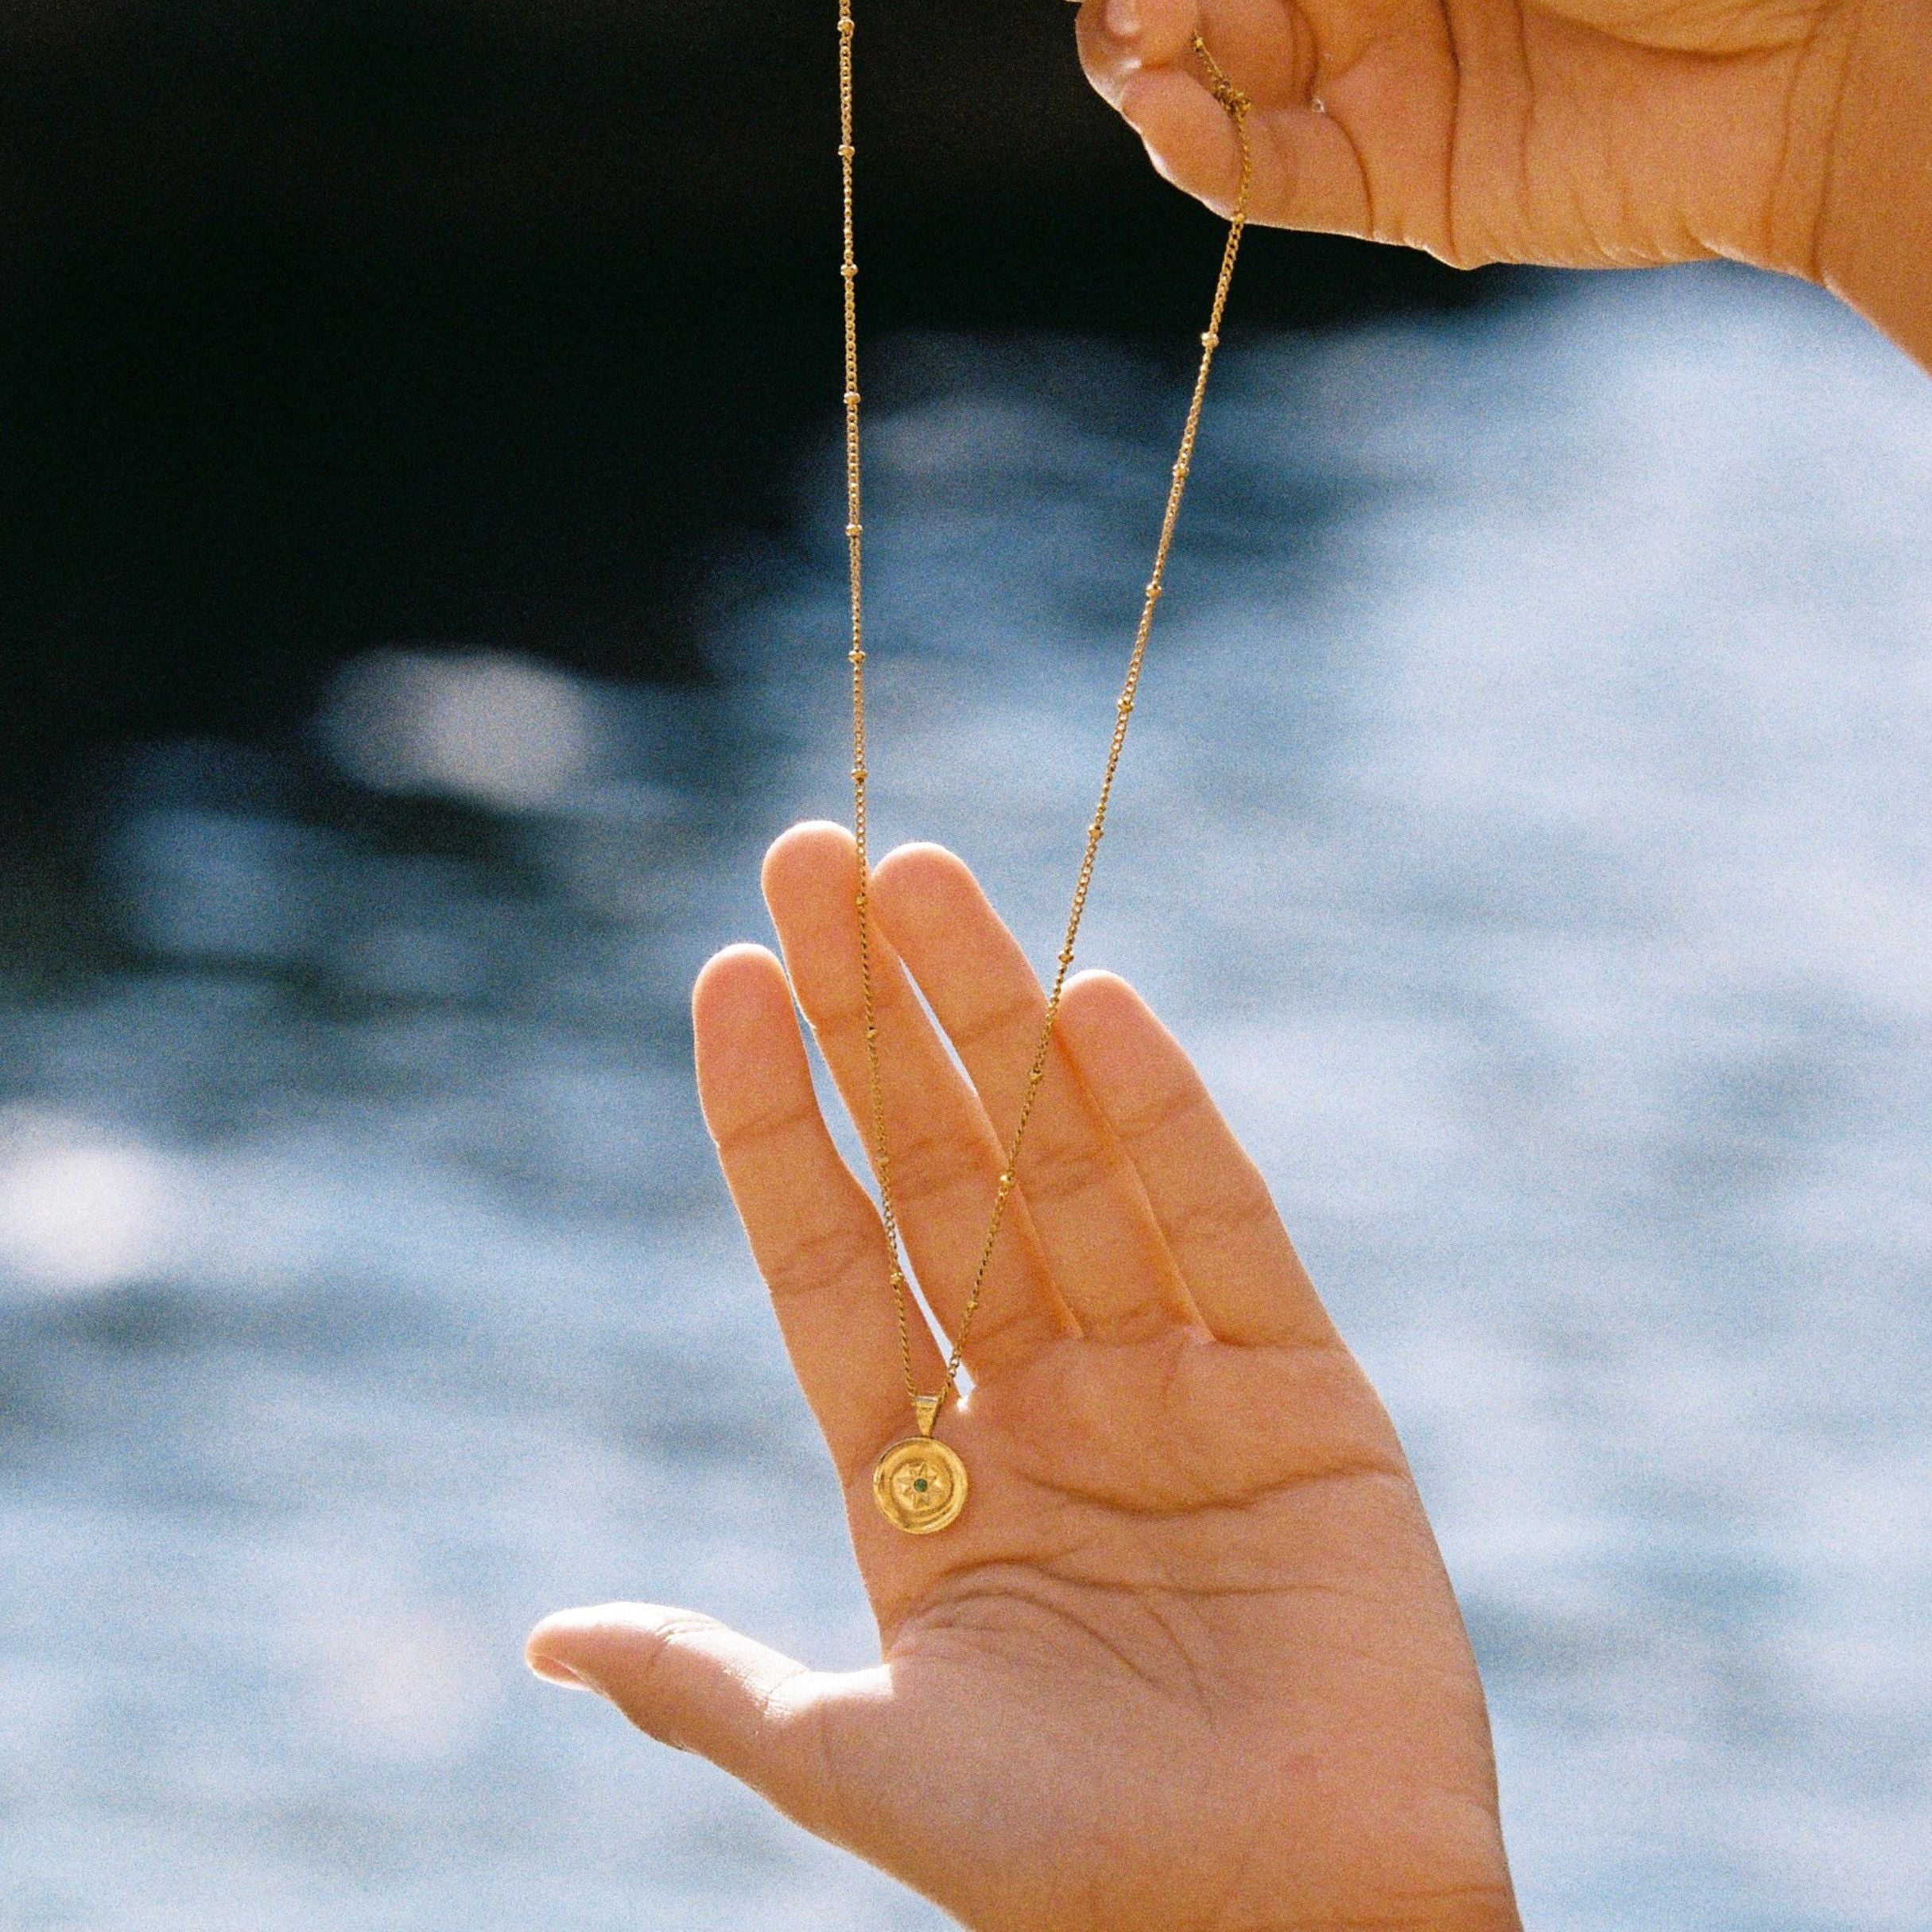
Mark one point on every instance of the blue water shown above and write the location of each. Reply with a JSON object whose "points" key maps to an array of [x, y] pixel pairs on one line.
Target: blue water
{"points": [[1526, 823]]}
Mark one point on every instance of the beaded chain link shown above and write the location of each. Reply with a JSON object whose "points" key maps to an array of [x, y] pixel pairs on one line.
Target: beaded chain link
{"points": [[1236, 103]]}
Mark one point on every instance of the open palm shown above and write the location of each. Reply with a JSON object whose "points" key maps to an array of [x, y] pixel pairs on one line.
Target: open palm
{"points": [[1189, 1657], [1588, 133]]}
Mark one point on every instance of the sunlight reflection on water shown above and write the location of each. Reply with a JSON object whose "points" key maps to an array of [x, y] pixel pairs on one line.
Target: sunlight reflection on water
{"points": [[1526, 823]]}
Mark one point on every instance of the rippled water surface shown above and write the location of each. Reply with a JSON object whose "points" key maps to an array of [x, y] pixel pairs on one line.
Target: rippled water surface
{"points": [[1526, 823]]}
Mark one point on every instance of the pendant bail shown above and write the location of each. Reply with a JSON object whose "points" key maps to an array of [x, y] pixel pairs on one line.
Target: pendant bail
{"points": [[926, 1412]]}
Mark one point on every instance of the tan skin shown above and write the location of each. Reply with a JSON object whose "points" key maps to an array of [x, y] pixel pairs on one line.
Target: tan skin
{"points": [[1188, 1658], [1189, 1662], [1791, 134]]}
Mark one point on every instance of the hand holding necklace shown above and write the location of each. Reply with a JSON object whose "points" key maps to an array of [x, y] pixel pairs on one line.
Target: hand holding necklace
{"points": [[1592, 133]]}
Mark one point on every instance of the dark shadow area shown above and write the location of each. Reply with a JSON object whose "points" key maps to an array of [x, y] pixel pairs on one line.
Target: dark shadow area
{"points": [[328, 325]]}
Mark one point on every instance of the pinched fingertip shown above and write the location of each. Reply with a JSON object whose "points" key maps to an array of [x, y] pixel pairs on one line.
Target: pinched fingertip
{"points": [[1186, 132], [1155, 29], [1119, 39]]}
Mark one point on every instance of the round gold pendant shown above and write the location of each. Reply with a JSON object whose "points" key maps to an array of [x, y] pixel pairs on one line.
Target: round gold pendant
{"points": [[920, 1485]]}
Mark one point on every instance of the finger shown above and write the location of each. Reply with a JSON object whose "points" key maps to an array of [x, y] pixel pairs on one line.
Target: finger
{"points": [[1146, 30], [1097, 1232], [813, 1232], [688, 1680], [1209, 1198], [1266, 47], [945, 1157], [1307, 173]]}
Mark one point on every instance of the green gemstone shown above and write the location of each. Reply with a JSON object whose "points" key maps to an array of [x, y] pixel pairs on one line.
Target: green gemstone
{"points": [[919, 1482]]}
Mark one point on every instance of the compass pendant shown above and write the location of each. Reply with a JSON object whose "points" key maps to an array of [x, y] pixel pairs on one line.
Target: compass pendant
{"points": [[919, 1485]]}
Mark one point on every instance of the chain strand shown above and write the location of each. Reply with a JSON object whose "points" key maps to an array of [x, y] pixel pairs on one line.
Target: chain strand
{"points": [[1236, 104]]}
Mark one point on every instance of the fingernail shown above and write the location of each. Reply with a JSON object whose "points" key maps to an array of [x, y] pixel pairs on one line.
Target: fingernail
{"points": [[552, 1672], [1124, 18]]}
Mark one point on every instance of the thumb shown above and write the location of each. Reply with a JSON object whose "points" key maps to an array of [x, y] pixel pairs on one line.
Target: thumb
{"points": [[688, 1680]]}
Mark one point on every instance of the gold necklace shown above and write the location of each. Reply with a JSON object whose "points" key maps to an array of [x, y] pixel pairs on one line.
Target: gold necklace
{"points": [[920, 1484]]}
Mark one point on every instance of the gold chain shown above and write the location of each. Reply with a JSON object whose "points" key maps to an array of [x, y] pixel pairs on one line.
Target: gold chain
{"points": [[1236, 104]]}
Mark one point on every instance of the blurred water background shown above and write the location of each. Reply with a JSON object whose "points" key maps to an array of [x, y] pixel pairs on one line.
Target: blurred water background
{"points": [[1525, 823]]}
